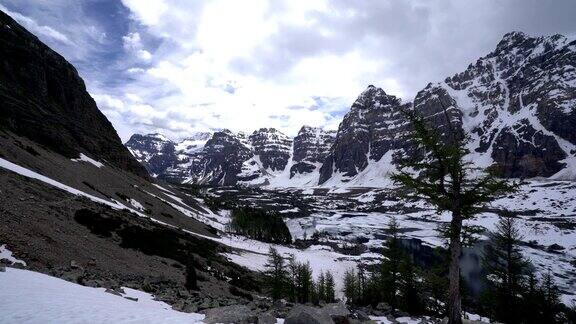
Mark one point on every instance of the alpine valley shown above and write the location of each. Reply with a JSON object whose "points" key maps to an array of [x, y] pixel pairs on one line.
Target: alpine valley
{"points": [[143, 231]]}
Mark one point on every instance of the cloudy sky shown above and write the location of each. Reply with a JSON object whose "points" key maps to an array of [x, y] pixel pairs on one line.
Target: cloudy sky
{"points": [[179, 66]]}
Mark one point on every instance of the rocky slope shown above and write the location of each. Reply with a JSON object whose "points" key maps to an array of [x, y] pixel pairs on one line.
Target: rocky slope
{"points": [[77, 205], [43, 98]]}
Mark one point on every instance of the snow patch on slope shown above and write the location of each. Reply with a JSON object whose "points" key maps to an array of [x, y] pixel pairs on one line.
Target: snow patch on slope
{"points": [[6, 254], [84, 158], [376, 174], [32, 297]]}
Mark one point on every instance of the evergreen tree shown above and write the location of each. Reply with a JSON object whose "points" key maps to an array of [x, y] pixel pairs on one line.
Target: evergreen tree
{"points": [[329, 289], [443, 177], [531, 300], [303, 283], [550, 298], [260, 225], [314, 296], [276, 273], [506, 269], [390, 265], [410, 297], [371, 292], [361, 284], [321, 287], [351, 287], [292, 274]]}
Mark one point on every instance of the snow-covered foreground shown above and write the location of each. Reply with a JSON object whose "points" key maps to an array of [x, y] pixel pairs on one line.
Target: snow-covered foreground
{"points": [[32, 297]]}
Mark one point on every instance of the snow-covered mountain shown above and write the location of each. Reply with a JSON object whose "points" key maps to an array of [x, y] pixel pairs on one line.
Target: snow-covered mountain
{"points": [[517, 104], [226, 158]]}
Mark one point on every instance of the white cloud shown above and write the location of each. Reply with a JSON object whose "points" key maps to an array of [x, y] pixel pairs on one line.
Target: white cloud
{"points": [[211, 93], [132, 41], [148, 12], [179, 66], [35, 28], [133, 44], [144, 55]]}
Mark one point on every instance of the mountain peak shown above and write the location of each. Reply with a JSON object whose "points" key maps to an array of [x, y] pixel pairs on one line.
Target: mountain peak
{"points": [[375, 97], [159, 136], [514, 35]]}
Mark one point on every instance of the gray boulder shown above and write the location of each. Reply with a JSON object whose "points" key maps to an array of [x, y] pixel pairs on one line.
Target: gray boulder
{"points": [[339, 313], [301, 314], [267, 318], [336, 309], [230, 314]]}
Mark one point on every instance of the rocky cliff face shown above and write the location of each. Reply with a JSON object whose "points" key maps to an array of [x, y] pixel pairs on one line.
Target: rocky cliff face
{"points": [[221, 159], [371, 128], [43, 98], [154, 151], [272, 147], [517, 104], [311, 146]]}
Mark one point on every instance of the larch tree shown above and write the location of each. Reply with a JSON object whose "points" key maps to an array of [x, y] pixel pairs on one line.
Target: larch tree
{"points": [[442, 176], [276, 273], [321, 286], [506, 268], [330, 289], [351, 287], [392, 256]]}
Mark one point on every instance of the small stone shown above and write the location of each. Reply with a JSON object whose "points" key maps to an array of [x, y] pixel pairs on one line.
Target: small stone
{"points": [[131, 298], [112, 291], [190, 308]]}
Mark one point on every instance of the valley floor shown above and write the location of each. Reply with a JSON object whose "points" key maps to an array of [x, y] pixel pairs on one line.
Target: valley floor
{"points": [[545, 210]]}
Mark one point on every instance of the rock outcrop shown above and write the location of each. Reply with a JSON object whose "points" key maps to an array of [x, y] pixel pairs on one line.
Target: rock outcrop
{"points": [[517, 105], [311, 146], [43, 98], [372, 127], [272, 147]]}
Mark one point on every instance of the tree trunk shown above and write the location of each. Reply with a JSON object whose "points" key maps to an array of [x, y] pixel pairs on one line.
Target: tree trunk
{"points": [[454, 302]]}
